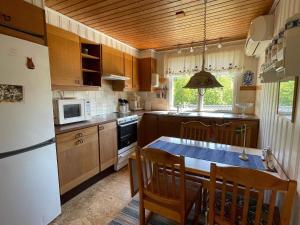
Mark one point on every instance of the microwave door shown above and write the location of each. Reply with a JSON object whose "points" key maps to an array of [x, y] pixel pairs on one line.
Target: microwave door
{"points": [[71, 112]]}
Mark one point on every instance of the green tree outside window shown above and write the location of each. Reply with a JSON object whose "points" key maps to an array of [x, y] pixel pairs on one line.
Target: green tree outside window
{"points": [[212, 97]]}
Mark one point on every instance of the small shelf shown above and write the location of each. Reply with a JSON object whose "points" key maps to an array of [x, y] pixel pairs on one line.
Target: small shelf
{"points": [[86, 56], [249, 88], [90, 71]]}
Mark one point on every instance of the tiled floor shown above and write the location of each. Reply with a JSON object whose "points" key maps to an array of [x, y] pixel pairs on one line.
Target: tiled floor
{"points": [[99, 204]]}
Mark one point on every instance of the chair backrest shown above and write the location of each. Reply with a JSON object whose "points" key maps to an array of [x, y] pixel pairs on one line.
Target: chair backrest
{"points": [[196, 130], [237, 185], [161, 177], [233, 134]]}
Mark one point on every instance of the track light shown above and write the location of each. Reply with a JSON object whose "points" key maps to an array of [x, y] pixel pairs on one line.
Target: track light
{"points": [[179, 51], [191, 49], [220, 44], [205, 48]]}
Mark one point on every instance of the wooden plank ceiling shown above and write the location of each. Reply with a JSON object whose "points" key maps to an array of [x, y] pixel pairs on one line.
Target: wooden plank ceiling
{"points": [[152, 24]]}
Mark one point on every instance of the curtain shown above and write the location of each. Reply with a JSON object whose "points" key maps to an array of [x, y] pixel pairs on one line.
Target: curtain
{"points": [[217, 61]]}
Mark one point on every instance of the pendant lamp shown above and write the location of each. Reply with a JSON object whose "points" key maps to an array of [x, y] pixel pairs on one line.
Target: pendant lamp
{"points": [[203, 79]]}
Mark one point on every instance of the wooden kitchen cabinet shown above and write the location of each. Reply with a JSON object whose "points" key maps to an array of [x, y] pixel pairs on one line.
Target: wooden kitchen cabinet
{"points": [[108, 145], [135, 74], [154, 126], [23, 20], [112, 61], [148, 129], [128, 70], [147, 66], [65, 58], [77, 157]]}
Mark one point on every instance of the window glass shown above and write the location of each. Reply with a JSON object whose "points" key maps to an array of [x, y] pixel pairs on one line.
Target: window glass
{"points": [[217, 99]]}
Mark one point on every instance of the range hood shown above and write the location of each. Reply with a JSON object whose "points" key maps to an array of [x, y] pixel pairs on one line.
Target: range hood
{"points": [[114, 77]]}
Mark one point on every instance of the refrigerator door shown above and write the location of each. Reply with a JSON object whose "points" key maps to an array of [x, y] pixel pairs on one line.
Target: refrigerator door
{"points": [[29, 193], [30, 121]]}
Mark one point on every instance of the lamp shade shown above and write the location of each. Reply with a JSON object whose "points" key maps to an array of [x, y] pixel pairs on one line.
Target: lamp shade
{"points": [[202, 79]]}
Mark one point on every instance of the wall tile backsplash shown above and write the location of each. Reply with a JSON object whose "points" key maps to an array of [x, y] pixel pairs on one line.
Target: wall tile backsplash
{"points": [[106, 100]]}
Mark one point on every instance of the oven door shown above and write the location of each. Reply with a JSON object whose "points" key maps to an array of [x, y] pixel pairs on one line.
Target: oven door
{"points": [[71, 111], [127, 134]]}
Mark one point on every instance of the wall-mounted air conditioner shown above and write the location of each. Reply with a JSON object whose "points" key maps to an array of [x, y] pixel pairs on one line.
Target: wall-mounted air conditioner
{"points": [[259, 35]]}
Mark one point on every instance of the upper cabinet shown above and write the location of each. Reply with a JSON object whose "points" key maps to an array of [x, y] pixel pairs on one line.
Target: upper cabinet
{"points": [[128, 69], [135, 73], [112, 61], [147, 66], [64, 55], [23, 20]]}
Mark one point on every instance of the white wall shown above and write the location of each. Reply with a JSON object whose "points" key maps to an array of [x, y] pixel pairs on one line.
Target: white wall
{"points": [[280, 134]]}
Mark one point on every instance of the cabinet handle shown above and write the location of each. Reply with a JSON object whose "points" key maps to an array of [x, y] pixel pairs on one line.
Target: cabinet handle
{"points": [[78, 135], [79, 142], [6, 18], [101, 127]]}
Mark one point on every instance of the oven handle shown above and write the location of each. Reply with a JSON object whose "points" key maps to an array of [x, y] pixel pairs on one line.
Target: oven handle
{"points": [[127, 124]]}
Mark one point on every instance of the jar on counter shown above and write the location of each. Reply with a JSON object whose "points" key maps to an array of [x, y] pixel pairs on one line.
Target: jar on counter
{"points": [[280, 45], [274, 49]]}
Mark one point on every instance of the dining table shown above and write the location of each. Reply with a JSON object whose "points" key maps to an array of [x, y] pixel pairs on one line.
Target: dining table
{"points": [[199, 155]]}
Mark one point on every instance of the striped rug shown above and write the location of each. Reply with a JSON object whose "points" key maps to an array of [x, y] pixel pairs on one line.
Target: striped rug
{"points": [[130, 216]]}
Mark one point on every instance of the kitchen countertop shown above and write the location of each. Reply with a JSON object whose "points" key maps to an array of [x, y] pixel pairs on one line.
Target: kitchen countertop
{"points": [[97, 120], [111, 117], [211, 115]]}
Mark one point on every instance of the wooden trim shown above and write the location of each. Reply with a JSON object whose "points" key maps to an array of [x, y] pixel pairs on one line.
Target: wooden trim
{"points": [[75, 88]]}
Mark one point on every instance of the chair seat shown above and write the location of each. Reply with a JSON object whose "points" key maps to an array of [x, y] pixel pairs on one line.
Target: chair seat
{"points": [[193, 191], [239, 209]]}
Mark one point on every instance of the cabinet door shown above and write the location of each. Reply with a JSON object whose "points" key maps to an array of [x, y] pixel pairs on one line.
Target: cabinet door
{"points": [[108, 145], [64, 55], [145, 74], [112, 61], [128, 69], [77, 157], [135, 74], [149, 129], [22, 20]]}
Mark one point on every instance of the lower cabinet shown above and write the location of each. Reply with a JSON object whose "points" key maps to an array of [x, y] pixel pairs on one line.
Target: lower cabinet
{"points": [[154, 126], [84, 153], [108, 145], [77, 156]]}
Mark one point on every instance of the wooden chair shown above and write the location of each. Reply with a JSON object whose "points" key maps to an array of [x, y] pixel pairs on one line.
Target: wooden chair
{"points": [[163, 188], [196, 130], [231, 134], [228, 205]]}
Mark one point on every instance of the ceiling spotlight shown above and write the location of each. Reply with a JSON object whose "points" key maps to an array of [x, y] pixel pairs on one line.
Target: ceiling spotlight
{"points": [[191, 49], [205, 48], [180, 14]]}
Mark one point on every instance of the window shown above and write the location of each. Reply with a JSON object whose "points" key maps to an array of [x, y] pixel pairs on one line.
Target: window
{"points": [[217, 99]]}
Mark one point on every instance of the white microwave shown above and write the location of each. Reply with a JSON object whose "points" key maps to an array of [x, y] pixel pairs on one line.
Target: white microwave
{"points": [[71, 110]]}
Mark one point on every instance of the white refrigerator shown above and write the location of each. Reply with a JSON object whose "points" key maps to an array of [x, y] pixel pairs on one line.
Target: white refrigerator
{"points": [[29, 189]]}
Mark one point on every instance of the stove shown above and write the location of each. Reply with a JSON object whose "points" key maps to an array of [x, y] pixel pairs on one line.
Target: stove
{"points": [[127, 138], [125, 118]]}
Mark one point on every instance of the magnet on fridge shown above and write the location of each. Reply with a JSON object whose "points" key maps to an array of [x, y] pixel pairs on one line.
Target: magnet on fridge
{"points": [[30, 64]]}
